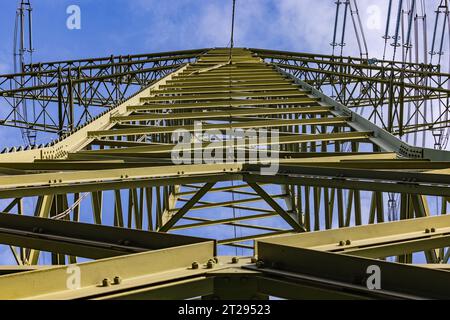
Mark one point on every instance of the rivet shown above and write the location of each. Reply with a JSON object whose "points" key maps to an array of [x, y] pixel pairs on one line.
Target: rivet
{"points": [[235, 260], [195, 265], [341, 243], [427, 230], [433, 230], [117, 280], [105, 282], [348, 242], [210, 264]]}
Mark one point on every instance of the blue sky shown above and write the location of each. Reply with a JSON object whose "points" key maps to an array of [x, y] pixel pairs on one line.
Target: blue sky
{"points": [[133, 26], [141, 26]]}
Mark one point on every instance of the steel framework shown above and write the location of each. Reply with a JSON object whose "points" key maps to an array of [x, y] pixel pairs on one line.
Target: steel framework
{"points": [[70, 93], [309, 230], [382, 91]]}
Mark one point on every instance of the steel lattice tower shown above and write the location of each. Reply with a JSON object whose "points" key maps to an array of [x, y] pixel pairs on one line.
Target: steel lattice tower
{"points": [[325, 203]]}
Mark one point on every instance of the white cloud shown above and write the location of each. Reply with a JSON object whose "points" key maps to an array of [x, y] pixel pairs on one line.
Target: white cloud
{"points": [[305, 25]]}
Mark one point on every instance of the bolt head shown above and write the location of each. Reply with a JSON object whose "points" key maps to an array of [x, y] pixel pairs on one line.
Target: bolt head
{"points": [[235, 260], [105, 282], [195, 265]]}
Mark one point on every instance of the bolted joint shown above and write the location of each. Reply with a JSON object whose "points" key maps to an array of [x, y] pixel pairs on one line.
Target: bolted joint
{"points": [[105, 282], [210, 264]]}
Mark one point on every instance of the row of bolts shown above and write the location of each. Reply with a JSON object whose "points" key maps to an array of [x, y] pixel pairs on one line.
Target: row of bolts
{"points": [[211, 262]]}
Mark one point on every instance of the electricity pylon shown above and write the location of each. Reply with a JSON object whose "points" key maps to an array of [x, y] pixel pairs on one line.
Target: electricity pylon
{"points": [[146, 181]]}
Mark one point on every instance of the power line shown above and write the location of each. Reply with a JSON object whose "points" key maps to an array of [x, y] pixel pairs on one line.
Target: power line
{"points": [[232, 29]]}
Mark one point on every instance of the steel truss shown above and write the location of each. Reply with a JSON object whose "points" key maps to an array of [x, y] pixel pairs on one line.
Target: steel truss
{"points": [[318, 265], [68, 91], [335, 172], [380, 90], [395, 95]]}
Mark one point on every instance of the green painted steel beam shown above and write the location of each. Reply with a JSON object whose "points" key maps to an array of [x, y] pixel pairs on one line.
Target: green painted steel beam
{"points": [[223, 96], [272, 123], [214, 114], [83, 240], [291, 139], [132, 271], [226, 103], [351, 272]]}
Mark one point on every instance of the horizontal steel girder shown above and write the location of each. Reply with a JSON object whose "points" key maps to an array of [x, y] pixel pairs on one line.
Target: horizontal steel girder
{"points": [[294, 266], [316, 258], [83, 240], [139, 270]]}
